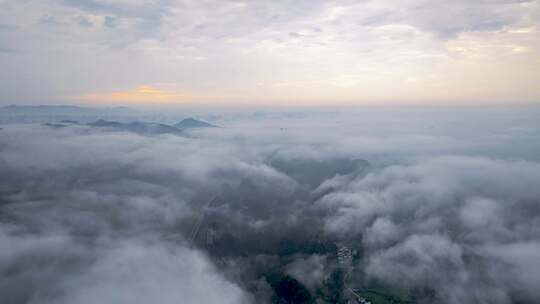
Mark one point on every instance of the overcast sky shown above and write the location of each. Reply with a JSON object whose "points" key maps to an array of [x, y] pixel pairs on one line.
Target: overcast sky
{"points": [[126, 52]]}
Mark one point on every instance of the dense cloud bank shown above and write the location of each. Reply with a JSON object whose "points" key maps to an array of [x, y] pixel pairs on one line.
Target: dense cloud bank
{"points": [[428, 206]]}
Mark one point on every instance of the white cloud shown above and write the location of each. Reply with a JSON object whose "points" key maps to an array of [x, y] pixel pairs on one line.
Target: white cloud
{"points": [[144, 273]]}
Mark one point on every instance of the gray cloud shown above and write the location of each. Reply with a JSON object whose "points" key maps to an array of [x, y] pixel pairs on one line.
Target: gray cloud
{"points": [[8, 50], [430, 207], [430, 223], [7, 27], [337, 44], [147, 272], [448, 19]]}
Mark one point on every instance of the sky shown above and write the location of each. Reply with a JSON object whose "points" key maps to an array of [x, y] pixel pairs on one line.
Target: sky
{"points": [[172, 52]]}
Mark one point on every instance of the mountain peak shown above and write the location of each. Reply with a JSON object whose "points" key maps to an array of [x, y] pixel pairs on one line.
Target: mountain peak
{"points": [[192, 123]]}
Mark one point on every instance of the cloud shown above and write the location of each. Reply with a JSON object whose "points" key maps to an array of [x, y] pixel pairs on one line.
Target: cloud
{"points": [[305, 51], [7, 50], [519, 257], [142, 273], [311, 271], [437, 204], [81, 230], [428, 223], [8, 27], [151, 14], [141, 94], [450, 19]]}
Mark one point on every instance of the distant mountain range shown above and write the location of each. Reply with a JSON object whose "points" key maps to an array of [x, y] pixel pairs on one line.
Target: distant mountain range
{"points": [[110, 119], [192, 123], [139, 127]]}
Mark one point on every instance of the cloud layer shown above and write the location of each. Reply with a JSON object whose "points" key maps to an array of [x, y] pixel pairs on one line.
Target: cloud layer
{"points": [[253, 51], [258, 211]]}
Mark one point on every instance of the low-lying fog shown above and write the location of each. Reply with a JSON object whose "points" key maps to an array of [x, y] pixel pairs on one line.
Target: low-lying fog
{"points": [[308, 206]]}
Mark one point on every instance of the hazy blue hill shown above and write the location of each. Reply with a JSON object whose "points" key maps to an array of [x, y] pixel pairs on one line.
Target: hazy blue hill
{"points": [[139, 127], [55, 113], [192, 123], [69, 122], [54, 125], [106, 123]]}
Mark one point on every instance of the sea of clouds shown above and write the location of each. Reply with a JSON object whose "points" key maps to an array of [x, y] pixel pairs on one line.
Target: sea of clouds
{"points": [[444, 202]]}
